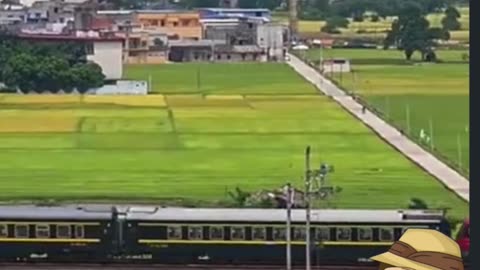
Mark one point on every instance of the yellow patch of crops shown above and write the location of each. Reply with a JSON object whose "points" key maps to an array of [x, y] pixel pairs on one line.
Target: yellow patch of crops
{"points": [[38, 124], [128, 100], [224, 97], [39, 99]]}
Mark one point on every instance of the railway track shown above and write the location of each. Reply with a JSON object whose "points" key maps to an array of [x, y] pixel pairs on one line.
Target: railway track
{"points": [[21, 266]]}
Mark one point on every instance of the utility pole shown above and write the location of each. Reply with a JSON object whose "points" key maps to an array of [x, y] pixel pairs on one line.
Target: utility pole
{"points": [[323, 190], [308, 185], [289, 226]]}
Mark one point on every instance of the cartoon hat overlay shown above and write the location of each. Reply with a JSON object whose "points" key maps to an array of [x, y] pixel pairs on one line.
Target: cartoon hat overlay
{"points": [[423, 249]]}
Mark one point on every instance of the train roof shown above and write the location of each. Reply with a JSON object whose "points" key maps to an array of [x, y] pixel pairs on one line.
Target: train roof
{"points": [[25, 212], [279, 215]]}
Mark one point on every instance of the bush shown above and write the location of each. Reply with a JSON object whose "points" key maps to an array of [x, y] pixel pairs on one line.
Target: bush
{"points": [[416, 203], [358, 18], [375, 18]]}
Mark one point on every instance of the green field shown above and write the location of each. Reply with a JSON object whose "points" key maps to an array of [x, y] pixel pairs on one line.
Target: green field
{"points": [[436, 96], [196, 146]]}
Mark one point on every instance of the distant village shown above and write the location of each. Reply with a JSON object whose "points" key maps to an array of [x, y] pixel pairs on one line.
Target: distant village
{"points": [[153, 36]]}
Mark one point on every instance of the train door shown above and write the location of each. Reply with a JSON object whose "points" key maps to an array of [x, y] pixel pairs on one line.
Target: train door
{"points": [[118, 233]]}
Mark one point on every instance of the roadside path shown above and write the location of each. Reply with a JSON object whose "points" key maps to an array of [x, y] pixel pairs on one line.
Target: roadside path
{"points": [[446, 175]]}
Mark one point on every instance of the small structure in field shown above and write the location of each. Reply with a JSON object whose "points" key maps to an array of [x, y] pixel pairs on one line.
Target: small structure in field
{"points": [[336, 66]]}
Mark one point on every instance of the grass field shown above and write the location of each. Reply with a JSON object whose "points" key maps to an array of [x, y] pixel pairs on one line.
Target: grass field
{"points": [[248, 131], [435, 95]]}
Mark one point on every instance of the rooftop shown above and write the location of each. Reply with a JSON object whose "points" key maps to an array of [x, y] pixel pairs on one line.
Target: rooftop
{"points": [[52, 37], [232, 10]]}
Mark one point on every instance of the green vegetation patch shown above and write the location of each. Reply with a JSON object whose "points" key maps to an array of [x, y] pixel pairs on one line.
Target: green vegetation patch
{"points": [[429, 96], [194, 154]]}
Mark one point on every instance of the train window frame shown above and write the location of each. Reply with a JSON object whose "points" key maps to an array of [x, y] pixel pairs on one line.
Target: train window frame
{"points": [[198, 230], [392, 234], [79, 231], [370, 229], [317, 233], [239, 228], [274, 235], [177, 229], [337, 233], [42, 231], [220, 229], [264, 233], [27, 235], [295, 230], [69, 229], [3, 230]]}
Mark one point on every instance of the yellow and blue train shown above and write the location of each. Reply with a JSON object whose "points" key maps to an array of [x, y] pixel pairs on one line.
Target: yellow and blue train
{"points": [[100, 234]]}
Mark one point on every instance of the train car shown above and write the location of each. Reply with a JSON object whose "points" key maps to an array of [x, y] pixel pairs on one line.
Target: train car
{"points": [[55, 234], [463, 240], [258, 236]]}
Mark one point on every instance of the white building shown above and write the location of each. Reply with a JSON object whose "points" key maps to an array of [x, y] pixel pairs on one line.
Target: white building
{"points": [[270, 37], [108, 55]]}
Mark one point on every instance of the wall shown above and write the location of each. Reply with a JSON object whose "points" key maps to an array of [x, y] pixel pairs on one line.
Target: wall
{"points": [[108, 55], [122, 88], [270, 38], [185, 25]]}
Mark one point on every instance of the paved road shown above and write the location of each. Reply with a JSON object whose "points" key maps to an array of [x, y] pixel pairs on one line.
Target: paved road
{"points": [[449, 177]]}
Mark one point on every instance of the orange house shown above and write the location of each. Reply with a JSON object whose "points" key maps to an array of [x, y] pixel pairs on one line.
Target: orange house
{"points": [[181, 24]]}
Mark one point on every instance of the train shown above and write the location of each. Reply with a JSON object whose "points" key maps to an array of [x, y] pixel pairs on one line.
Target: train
{"points": [[216, 236]]}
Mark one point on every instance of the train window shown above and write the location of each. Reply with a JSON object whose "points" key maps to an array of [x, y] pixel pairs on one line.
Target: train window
{"points": [[299, 234], [3, 230], [63, 231], [279, 234], [365, 234], [216, 233], [42, 231], [385, 234], [21, 231], [259, 233], [195, 233], [79, 231], [344, 234], [322, 234], [237, 233], [174, 232]]}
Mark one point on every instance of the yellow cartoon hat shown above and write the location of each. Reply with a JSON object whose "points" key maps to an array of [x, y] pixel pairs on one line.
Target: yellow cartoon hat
{"points": [[423, 249]]}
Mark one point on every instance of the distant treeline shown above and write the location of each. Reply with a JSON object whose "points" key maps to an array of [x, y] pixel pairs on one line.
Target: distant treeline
{"points": [[45, 66]]}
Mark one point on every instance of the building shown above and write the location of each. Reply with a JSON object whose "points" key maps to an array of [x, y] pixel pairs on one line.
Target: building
{"points": [[12, 14], [271, 38], [216, 13], [228, 3], [55, 11], [336, 66], [214, 51], [175, 24], [104, 51]]}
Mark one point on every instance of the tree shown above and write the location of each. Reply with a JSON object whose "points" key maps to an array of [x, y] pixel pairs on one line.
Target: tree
{"points": [[450, 21], [333, 23], [411, 32], [87, 76], [44, 66]]}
